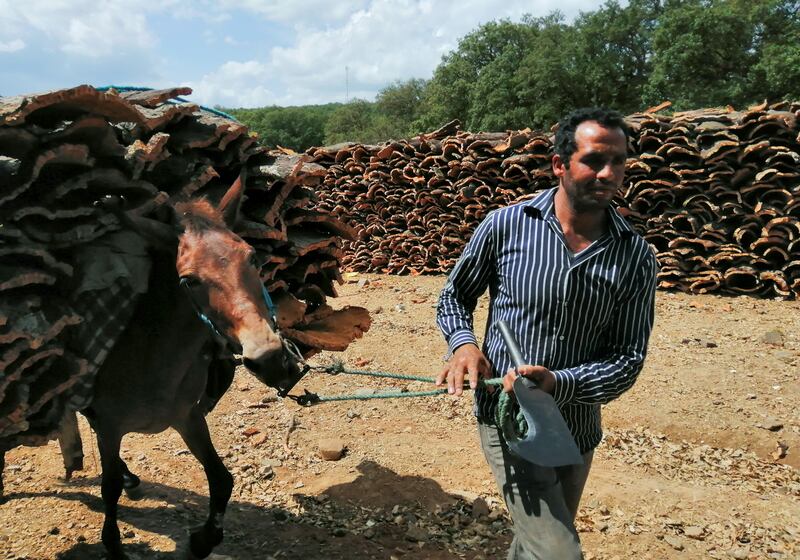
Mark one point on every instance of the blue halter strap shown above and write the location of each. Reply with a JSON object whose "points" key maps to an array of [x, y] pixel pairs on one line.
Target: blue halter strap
{"points": [[273, 311]]}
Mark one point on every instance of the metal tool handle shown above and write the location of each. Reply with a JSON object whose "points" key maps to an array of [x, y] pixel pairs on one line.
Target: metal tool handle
{"points": [[512, 346]]}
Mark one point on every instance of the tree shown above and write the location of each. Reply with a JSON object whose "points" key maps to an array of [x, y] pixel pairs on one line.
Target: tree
{"points": [[613, 53], [297, 128], [776, 72], [451, 90], [351, 122], [398, 106]]}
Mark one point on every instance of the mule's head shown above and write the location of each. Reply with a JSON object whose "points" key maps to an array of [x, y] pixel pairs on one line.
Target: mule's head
{"points": [[219, 272]]}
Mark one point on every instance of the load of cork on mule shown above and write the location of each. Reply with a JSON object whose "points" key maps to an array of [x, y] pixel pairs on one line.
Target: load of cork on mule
{"points": [[126, 291]]}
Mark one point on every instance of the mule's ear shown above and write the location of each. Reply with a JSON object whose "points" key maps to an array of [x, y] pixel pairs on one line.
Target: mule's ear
{"points": [[232, 201], [160, 232]]}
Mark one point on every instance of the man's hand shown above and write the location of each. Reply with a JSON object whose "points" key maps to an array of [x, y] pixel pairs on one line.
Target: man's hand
{"points": [[543, 377], [467, 360]]}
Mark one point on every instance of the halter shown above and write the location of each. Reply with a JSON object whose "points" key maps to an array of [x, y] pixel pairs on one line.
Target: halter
{"points": [[289, 346]]}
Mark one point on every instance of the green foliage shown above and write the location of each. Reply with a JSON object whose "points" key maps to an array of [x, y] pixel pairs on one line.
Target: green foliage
{"points": [[350, 123], [511, 75], [297, 128], [451, 93], [719, 52]]}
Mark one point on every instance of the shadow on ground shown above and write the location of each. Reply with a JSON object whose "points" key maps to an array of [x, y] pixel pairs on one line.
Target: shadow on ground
{"points": [[254, 532]]}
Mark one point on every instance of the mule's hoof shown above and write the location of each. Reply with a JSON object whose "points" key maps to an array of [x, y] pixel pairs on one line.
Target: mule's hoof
{"points": [[202, 543], [185, 553], [132, 486], [134, 493], [116, 554], [74, 467]]}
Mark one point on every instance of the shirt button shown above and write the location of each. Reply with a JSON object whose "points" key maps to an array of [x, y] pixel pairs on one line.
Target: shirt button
{"points": [[561, 337]]}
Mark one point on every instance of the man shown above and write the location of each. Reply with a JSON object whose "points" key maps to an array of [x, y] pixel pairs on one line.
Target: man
{"points": [[577, 286]]}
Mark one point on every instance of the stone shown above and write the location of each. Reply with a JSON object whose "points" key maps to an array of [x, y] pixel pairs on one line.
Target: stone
{"points": [[363, 282], [694, 532], [774, 337], [480, 508], [266, 471], [673, 541], [780, 451], [738, 553], [771, 424], [331, 449], [416, 534], [784, 356]]}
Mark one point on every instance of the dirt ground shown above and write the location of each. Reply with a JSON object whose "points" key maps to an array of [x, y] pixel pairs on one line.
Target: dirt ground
{"points": [[699, 460]]}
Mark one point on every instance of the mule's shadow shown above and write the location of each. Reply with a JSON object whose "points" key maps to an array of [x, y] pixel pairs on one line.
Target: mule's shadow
{"points": [[253, 531]]}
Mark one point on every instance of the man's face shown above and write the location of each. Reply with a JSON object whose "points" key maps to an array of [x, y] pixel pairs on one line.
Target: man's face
{"points": [[596, 168]]}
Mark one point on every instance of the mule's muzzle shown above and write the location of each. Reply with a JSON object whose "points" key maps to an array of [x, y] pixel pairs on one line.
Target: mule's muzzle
{"points": [[276, 368]]}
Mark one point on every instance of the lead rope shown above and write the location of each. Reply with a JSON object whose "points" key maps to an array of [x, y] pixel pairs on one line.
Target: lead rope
{"points": [[515, 426]]}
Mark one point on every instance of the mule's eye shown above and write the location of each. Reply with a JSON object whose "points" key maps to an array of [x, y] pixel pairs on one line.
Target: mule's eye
{"points": [[255, 261]]}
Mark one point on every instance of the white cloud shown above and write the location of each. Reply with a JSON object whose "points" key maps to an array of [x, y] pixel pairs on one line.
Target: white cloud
{"points": [[379, 41], [234, 84], [12, 46], [297, 12], [80, 27]]}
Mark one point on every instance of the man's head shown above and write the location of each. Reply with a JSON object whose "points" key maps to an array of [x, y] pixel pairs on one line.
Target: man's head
{"points": [[589, 160]]}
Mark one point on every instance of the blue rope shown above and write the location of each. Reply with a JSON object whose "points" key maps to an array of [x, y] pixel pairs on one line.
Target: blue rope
{"points": [[182, 100], [273, 311]]}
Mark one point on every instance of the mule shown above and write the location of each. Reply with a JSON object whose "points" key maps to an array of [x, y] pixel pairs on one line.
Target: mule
{"points": [[205, 290]]}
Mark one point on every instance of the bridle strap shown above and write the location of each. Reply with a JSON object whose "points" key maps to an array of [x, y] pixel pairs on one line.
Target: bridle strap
{"points": [[273, 311], [288, 345], [197, 309]]}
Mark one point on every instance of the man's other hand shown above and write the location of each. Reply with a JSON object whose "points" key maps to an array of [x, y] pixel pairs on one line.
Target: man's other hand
{"points": [[469, 361], [543, 377]]}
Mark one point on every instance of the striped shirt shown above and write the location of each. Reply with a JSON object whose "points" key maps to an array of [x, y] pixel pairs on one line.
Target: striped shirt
{"points": [[586, 316]]}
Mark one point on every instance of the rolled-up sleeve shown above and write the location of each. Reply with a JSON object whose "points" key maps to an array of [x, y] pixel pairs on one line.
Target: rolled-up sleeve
{"points": [[603, 380], [468, 280]]}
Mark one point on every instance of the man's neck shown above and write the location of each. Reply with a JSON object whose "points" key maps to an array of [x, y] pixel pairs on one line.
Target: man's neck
{"points": [[580, 229]]}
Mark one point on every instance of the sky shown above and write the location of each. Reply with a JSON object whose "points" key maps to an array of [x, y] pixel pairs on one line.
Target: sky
{"points": [[242, 53]]}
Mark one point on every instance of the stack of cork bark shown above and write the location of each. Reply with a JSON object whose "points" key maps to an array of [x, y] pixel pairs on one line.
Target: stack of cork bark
{"points": [[62, 151], [716, 192]]}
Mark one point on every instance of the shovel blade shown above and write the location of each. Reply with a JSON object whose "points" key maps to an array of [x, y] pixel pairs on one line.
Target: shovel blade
{"points": [[549, 442]]}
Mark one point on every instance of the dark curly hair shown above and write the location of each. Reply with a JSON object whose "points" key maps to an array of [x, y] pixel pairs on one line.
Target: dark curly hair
{"points": [[564, 144]]}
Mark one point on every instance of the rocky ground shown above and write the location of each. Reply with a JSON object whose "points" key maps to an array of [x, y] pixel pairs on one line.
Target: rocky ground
{"points": [[699, 460]]}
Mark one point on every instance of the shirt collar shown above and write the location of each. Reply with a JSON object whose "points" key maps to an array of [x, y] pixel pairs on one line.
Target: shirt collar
{"points": [[543, 206]]}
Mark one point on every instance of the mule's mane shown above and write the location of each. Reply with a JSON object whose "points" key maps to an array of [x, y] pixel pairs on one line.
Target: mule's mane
{"points": [[199, 215]]}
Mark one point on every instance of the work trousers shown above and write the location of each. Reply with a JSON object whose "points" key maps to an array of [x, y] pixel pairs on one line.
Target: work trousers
{"points": [[542, 501]]}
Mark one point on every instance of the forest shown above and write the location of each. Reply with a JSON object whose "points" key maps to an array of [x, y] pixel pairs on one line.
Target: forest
{"points": [[515, 74]]}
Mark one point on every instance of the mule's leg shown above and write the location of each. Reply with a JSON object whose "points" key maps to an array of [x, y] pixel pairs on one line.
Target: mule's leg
{"points": [[111, 488], [69, 439], [130, 482], [194, 432]]}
